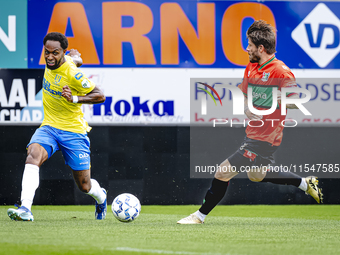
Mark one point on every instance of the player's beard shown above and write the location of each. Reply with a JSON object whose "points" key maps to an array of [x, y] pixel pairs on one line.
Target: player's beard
{"points": [[55, 66], [253, 58]]}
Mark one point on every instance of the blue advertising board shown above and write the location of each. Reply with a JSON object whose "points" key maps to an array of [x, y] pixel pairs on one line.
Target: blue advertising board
{"points": [[185, 33]]}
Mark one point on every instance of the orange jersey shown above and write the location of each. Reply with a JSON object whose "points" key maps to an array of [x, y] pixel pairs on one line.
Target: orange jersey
{"points": [[262, 79]]}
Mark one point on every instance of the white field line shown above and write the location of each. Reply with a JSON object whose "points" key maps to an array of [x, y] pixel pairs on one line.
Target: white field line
{"points": [[129, 249]]}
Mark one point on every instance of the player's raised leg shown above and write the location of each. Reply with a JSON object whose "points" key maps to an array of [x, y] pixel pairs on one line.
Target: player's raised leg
{"points": [[92, 188], [213, 196], [308, 184], [36, 155]]}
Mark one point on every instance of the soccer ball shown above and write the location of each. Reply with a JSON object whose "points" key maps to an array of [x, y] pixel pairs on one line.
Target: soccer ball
{"points": [[126, 207]]}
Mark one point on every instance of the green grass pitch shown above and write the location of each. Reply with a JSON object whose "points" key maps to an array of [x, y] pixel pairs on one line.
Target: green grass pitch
{"points": [[232, 230]]}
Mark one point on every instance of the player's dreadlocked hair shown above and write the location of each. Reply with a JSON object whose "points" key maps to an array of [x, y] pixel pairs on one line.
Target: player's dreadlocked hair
{"points": [[261, 33], [55, 36]]}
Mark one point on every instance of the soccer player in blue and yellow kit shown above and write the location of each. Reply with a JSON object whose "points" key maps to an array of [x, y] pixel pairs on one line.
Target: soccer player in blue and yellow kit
{"points": [[65, 89], [263, 73]]}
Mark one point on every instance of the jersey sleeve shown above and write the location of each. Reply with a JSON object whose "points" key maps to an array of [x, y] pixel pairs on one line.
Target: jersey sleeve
{"points": [[244, 85], [287, 80], [79, 82]]}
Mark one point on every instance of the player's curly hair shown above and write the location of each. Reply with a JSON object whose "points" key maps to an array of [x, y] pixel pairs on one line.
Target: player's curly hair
{"points": [[56, 36], [261, 33]]}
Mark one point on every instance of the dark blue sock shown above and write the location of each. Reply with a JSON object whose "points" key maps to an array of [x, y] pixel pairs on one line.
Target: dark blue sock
{"points": [[282, 178], [214, 195]]}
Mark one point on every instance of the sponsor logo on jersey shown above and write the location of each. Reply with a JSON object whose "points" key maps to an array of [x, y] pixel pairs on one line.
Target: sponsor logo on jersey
{"points": [[47, 88], [318, 35], [78, 76], [265, 76], [57, 79], [259, 95], [85, 83]]}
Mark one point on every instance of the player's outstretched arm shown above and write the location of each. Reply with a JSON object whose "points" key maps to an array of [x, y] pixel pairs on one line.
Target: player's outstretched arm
{"points": [[75, 55], [288, 106], [96, 96], [293, 106]]}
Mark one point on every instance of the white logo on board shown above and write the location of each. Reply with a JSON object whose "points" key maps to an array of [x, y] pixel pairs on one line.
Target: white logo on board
{"points": [[319, 35], [9, 40]]}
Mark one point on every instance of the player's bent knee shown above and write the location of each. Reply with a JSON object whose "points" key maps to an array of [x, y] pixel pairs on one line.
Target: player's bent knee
{"points": [[257, 176], [255, 179], [220, 176], [224, 176], [31, 160], [225, 171], [36, 154]]}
